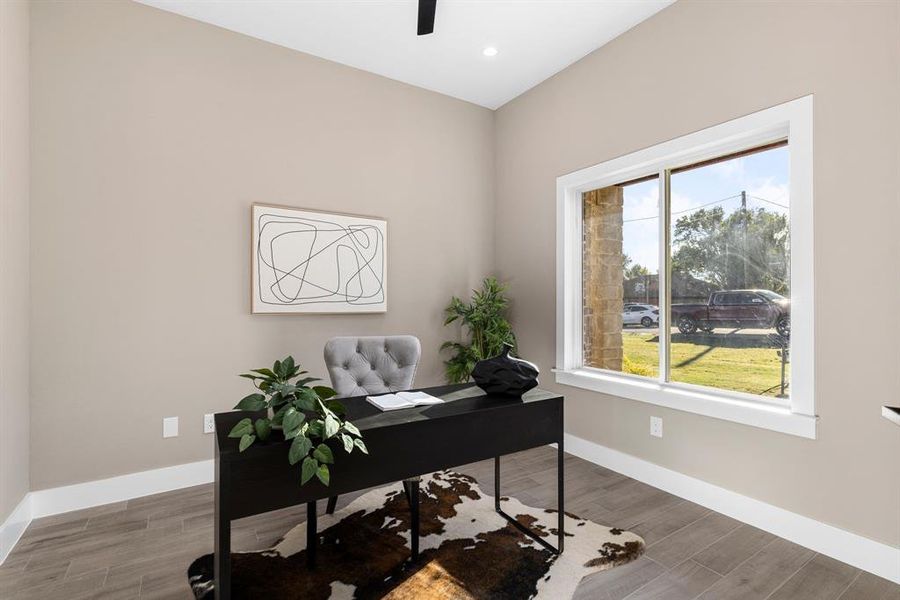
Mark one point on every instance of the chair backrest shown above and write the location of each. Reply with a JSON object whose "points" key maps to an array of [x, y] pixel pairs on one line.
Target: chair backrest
{"points": [[373, 364]]}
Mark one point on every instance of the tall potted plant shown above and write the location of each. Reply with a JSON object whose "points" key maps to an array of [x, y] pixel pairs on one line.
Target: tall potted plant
{"points": [[489, 331], [309, 416]]}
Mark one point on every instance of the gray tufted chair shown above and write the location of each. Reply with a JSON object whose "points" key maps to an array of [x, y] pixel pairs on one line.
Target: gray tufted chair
{"points": [[372, 365]]}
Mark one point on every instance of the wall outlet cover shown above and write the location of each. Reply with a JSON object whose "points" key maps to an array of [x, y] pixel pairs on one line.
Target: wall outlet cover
{"points": [[209, 423], [170, 427], [656, 429]]}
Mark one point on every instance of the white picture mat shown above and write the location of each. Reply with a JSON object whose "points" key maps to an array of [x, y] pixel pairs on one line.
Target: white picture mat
{"points": [[305, 261]]}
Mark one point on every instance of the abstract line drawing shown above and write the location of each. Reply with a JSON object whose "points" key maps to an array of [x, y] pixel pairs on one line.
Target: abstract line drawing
{"points": [[313, 262]]}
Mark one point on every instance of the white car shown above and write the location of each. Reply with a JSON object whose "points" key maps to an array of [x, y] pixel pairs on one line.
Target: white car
{"points": [[640, 314]]}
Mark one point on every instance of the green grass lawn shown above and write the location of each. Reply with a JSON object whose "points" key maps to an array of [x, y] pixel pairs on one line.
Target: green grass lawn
{"points": [[708, 360]]}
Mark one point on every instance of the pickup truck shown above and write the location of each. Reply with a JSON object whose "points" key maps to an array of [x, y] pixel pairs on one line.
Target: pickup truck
{"points": [[735, 308]]}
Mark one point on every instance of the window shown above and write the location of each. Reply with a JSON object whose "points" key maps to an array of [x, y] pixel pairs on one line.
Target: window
{"points": [[685, 273], [729, 229], [620, 252]]}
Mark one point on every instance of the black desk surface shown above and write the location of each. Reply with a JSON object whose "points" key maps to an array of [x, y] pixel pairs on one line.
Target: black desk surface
{"points": [[459, 399]]}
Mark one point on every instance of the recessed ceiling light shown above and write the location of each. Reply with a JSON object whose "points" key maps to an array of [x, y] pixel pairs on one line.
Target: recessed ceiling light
{"points": [[489, 51]]}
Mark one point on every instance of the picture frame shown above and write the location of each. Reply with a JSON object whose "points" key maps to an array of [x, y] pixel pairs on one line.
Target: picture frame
{"points": [[314, 262]]}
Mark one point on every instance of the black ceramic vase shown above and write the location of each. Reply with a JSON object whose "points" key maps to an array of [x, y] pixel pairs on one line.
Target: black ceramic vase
{"points": [[505, 375]]}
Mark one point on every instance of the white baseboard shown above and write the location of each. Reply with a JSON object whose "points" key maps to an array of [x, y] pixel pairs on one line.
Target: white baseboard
{"points": [[124, 487], [853, 549], [14, 526], [53, 501]]}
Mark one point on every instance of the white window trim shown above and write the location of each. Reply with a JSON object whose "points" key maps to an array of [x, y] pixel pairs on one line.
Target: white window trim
{"points": [[792, 120]]}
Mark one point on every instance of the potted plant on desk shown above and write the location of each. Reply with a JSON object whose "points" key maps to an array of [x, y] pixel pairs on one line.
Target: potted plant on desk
{"points": [[309, 416]]}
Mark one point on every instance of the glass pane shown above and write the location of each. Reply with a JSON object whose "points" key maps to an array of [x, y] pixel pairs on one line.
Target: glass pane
{"points": [[621, 278], [730, 232]]}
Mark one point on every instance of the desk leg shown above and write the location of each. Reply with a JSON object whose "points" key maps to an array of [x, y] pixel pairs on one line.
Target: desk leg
{"points": [[560, 493], [414, 518], [222, 550], [497, 483], [521, 527], [311, 534], [406, 492]]}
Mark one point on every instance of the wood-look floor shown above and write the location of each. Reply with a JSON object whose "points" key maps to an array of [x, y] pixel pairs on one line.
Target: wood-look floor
{"points": [[142, 548]]}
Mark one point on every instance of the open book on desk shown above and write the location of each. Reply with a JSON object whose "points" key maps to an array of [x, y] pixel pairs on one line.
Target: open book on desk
{"points": [[400, 400]]}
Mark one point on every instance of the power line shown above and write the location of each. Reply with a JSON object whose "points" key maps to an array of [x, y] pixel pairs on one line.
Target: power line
{"points": [[640, 219], [770, 202], [687, 210]]}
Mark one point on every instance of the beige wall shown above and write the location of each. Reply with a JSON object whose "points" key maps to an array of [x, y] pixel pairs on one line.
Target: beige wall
{"points": [[693, 65], [14, 425], [152, 135]]}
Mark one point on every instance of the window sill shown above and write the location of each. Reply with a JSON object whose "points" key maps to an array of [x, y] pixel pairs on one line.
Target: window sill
{"points": [[756, 414]]}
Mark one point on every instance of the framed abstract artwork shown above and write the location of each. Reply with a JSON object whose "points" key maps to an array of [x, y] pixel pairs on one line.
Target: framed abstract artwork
{"points": [[305, 261]]}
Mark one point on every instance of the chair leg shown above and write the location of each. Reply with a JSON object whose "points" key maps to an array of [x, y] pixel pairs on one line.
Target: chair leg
{"points": [[332, 503]]}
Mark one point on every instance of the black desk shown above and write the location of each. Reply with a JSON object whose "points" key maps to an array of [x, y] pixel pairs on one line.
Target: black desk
{"points": [[470, 426]]}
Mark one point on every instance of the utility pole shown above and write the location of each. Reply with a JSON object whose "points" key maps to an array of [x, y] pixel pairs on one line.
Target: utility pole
{"points": [[744, 233], [647, 289]]}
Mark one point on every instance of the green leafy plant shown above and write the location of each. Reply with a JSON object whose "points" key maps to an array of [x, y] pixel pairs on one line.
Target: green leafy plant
{"points": [[488, 328], [309, 416]]}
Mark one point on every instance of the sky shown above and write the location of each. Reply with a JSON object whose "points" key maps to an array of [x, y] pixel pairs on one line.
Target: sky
{"points": [[764, 176]]}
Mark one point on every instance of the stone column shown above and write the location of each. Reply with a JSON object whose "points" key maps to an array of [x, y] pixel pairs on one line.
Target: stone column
{"points": [[603, 283]]}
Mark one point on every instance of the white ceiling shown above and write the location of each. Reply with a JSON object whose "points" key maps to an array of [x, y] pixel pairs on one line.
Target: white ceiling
{"points": [[535, 38]]}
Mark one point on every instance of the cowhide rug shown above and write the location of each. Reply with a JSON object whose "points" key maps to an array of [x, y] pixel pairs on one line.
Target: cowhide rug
{"points": [[467, 551]]}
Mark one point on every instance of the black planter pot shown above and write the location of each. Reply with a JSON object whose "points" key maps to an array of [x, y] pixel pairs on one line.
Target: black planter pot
{"points": [[505, 375]]}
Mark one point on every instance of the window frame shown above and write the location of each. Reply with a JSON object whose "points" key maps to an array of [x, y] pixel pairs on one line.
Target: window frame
{"points": [[792, 121]]}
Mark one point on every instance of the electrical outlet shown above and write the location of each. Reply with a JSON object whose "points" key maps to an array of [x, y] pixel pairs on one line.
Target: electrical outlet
{"points": [[209, 424], [170, 427], [656, 426]]}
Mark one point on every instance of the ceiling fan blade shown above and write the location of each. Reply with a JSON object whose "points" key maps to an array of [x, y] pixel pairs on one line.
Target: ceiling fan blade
{"points": [[426, 17]]}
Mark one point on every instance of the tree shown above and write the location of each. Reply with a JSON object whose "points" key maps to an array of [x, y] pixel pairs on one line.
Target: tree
{"points": [[631, 269], [748, 248]]}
